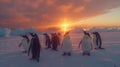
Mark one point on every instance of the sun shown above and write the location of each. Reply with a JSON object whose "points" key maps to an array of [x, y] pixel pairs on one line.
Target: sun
{"points": [[65, 26]]}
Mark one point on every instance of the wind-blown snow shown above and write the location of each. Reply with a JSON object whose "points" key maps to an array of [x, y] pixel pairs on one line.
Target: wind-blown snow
{"points": [[11, 55]]}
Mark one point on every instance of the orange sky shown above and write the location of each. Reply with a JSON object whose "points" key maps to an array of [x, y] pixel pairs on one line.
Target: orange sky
{"points": [[50, 14]]}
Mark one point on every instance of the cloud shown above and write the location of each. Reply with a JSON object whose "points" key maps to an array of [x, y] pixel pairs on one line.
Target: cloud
{"points": [[29, 13], [65, 8], [79, 9]]}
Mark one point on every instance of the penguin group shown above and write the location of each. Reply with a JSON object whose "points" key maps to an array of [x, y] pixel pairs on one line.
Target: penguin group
{"points": [[89, 42], [33, 47]]}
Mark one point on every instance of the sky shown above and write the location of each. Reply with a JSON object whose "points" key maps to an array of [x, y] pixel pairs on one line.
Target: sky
{"points": [[51, 14]]}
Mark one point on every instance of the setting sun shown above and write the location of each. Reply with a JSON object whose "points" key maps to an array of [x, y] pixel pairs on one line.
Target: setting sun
{"points": [[65, 26]]}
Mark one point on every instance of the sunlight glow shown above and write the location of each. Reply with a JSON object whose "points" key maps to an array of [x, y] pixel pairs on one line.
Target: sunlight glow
{"points": [[66, 26], [110, 18]]}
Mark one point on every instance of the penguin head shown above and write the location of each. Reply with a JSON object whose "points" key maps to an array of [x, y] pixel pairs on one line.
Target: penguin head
{"points": [[32, 34]]}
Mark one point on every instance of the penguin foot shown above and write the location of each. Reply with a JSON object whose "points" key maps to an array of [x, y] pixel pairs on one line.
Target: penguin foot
{"points": [[83, 54], [31, 59], [69, 54], [95, 48], [37, 60], [64, 54], [88, 54], [101, 48]]}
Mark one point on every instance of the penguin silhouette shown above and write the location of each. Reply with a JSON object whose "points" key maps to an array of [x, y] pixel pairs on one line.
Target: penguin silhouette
{"points": [[34, 47], [47, 41]]}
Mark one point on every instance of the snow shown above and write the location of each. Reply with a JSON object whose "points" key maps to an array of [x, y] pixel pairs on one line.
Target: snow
{"points": [[11, 55]]}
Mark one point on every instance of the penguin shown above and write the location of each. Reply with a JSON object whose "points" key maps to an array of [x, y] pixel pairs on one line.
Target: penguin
{"points": [[35, 47], [98, 40], [54, 42], [58, 36], [47, 41], [86, 44], [57, 39], [24, 43], [67, 44], [94, 40]]}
